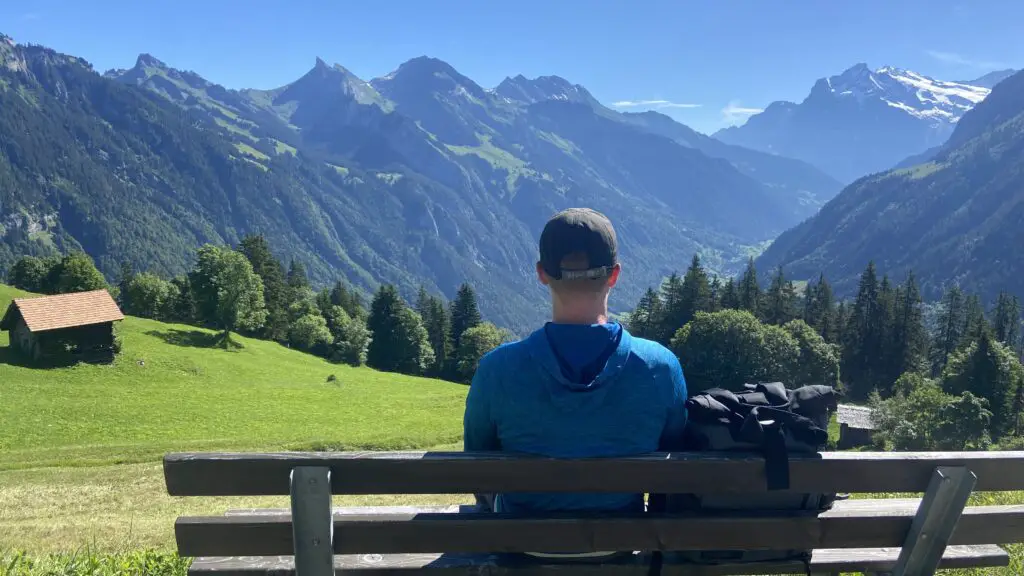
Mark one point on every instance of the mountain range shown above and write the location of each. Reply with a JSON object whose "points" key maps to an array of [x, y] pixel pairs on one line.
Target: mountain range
{"points": [[418, 177], [863, 121], [954, 217]]}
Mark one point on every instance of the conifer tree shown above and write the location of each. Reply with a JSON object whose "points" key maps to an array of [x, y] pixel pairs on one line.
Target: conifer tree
{"points": [[646, 319], [862, 344], [716, 295], [749, 290], [1006, 320], [399, 341], [951, 321], [780, 302], [673, 311], [465, 313], [910, 338], [696, 292], [974, 319], [820, 310], [256, 250], [297, 278], [885, 359], [730, 296]]}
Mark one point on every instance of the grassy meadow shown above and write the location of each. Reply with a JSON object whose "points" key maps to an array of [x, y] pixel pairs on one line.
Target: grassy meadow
{"points": [[80, 447], [81, 484]]}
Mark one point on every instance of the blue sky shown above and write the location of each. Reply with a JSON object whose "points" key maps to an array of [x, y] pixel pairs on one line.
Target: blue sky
{"points": [[706, 63]]}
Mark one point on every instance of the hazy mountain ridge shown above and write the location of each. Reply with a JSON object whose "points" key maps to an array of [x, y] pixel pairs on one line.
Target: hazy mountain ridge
{"points": [[862, 121], [952, 219]]}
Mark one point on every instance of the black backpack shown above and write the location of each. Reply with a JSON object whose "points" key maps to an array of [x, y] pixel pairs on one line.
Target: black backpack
{"points": [[765, 418]]}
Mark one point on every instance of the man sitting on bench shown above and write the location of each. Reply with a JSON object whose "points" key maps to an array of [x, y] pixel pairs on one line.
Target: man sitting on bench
{"points": [[580, 386]]}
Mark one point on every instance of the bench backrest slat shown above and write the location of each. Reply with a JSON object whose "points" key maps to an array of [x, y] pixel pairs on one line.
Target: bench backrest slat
{"points": [[463, 473], [424, 533]]}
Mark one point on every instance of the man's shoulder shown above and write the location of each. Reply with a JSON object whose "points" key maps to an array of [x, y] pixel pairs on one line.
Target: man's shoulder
{"points": [[651, 352], [507, 352]]}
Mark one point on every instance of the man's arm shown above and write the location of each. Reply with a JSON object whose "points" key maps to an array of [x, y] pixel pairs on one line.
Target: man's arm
{"points": [[480, 433], [673, 435]]}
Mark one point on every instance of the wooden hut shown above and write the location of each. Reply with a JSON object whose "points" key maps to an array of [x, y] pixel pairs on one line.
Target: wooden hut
{"points": [[856, 428], [79, 324]]}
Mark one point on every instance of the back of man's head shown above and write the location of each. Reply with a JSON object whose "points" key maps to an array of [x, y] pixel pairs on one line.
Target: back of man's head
{"points": [[579, 253]]}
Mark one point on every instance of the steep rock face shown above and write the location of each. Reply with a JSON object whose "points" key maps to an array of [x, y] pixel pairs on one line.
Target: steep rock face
{"points": [[862, 121], [956, 218]]}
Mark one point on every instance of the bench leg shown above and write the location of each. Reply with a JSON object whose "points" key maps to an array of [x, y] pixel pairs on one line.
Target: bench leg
{"points": [[312, 521], [940, 510]]}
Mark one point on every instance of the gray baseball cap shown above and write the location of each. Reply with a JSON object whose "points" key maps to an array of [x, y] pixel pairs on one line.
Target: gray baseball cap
{"points": [[578, 230]]}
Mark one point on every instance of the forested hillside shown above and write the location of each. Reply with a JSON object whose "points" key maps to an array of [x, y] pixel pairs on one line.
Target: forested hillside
{"points": [[955, 219], [420, 177]]}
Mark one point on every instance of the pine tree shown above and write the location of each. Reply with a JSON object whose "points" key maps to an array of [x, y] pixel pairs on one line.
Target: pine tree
{"points": [[124, 280], [780, 302], [842, 323], [819, 309], [256, 250], [438, 325], [696, 292], [886, 361], [749, 290], [673, 311], [715, 303], [383, 352], [730, 297], [423, 302], [1006, 320], [975, 322], [862, 345], [910, 338], [951, 321], [437, 322], [465, 313], [645, 321], [349, 300], [297, 278]]}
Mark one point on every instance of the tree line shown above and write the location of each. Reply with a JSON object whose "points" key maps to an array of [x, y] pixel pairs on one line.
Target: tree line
{"points": [[946, 375], [248, 290]]}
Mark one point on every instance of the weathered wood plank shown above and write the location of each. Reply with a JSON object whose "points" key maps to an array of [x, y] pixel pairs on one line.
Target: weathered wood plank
{"points": [[859, 527], [899, 506], [463, 473], [824, 561]]}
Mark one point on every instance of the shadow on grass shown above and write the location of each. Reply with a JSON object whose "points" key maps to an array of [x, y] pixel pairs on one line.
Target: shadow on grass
{"points": [[197, 339], [10, 356]]}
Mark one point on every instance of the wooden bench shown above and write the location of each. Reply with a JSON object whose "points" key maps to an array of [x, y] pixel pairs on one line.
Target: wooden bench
{"points": [[903, 537]]}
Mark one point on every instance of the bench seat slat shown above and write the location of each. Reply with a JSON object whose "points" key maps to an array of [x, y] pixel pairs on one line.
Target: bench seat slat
{"points": [[823, 561], [855, 526], [249, 474]]}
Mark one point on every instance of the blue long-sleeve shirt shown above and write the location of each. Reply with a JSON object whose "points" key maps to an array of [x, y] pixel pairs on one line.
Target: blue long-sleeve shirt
{"points": [[538, 397]]}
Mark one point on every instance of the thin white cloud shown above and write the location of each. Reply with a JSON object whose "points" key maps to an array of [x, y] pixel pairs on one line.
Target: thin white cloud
{"points": [[653, 104], [734, 113], [30, 16], [961, 60]]}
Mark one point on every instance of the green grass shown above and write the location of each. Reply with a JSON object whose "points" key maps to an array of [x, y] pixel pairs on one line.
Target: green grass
{"points": [[498, 158], [169, 390], [282, 148], [80, 446], [246, 149], [339, 169], [81, 485]]}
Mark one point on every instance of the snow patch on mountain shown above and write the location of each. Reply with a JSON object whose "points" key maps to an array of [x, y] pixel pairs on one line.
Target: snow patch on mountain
{"points": [[916, 94]]}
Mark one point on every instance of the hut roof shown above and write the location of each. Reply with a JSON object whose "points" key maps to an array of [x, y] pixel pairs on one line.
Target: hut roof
{"points": [[63, 311], [855, 416]]}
